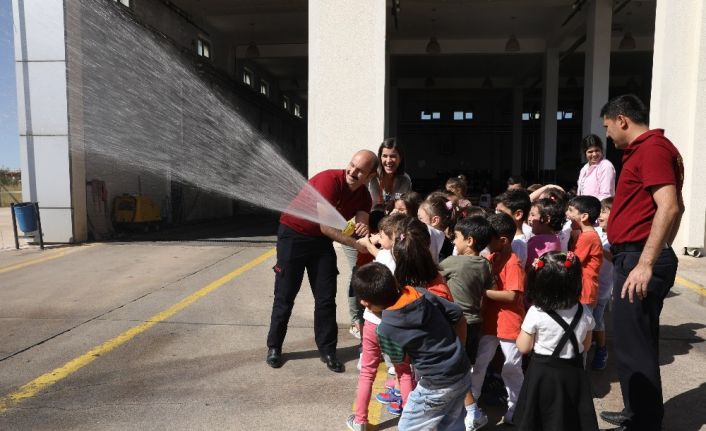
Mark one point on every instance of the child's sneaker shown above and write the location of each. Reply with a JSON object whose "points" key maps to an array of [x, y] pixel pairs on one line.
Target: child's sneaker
{"points": [[478, 421], [353, 426], [600, 358], [388, 397], [395, 408]]}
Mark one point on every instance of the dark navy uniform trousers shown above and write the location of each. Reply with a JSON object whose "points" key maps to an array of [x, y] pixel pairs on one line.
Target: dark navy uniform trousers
{"points": [[295, 253], [636, 328]]}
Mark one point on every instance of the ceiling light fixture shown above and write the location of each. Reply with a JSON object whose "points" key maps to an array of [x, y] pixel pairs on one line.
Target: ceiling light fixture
{"points": [[252, 51], [512, 44], [433, 46], [627, 43]]}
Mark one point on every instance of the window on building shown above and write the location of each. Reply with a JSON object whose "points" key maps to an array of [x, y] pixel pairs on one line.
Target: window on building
{"points": [[285, 103], [203, 48], [297, 110], [463, 115], [525, 116], [559, 115], [568, 115], [430, 116], [265, 88], [247, 77]]}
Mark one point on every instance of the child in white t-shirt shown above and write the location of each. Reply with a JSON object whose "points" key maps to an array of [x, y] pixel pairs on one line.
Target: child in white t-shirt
{"points": [[436, 212], [556, 392], [385, 238]]}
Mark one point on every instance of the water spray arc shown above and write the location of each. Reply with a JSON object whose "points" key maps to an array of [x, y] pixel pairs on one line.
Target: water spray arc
{"points": [[145, 106]]}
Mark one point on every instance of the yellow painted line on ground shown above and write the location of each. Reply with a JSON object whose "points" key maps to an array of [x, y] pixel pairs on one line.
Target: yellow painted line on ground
{"points": [[374, 407], [44, 381], [691, 285], [50, 255]]}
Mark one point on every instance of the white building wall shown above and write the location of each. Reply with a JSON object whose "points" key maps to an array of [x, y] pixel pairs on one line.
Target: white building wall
{"points": [[678, 102], [346, 80], [40, 60]]}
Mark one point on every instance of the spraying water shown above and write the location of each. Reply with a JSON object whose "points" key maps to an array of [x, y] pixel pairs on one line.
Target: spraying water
{"points": [[143, 104]]}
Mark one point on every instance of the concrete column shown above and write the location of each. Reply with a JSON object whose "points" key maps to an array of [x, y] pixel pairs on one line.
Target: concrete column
{"points": [[550, 104], [678, 102], [346, 80], [40, 61], [597, 66], [517, 101], [389, 94]]}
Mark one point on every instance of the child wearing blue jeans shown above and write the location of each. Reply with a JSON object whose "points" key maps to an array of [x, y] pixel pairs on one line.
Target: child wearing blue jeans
{"points": [[418, 324]]}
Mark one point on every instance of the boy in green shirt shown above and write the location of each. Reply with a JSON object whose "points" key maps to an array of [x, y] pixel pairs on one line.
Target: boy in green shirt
{"points": [[468, 276]]}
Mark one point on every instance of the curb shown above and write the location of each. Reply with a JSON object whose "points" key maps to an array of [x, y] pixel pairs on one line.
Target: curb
{"points": [[697, 291]]}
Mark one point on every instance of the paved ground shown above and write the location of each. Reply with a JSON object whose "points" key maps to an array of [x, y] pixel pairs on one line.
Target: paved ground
{"points": [[202, 367]]}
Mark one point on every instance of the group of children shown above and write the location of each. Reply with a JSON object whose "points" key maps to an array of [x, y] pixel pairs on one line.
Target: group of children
{"points": [[450, 283]]}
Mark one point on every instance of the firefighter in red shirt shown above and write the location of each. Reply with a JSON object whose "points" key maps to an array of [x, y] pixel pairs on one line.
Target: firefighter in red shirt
{"points": [[645, 218], [303, 244]]}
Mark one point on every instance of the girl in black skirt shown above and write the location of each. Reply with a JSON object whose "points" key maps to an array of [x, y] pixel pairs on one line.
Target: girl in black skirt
{"points": [[556, 393]]}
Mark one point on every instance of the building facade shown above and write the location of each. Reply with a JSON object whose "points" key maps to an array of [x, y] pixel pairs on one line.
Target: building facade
{"points": [[115, 96]]}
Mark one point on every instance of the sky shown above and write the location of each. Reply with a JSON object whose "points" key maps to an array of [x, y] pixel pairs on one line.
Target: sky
{"points": [[9, 139]]}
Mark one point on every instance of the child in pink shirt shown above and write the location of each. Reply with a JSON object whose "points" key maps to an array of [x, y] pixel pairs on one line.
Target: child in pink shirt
{"points": [[546, 218]]}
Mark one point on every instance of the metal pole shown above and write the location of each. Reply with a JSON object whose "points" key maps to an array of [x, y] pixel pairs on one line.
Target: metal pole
{"points": [[39, 225], [14, 226]]}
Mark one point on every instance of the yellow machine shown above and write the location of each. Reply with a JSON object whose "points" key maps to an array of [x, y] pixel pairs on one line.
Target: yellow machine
{"points": [[136, 211]]}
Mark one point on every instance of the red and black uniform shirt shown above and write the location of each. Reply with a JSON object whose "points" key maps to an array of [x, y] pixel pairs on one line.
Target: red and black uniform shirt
{"points": [[332, 186], [650, 160]]}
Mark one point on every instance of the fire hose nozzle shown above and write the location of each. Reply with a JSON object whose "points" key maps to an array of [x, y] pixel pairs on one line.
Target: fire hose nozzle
{"points": [[349, 230]]}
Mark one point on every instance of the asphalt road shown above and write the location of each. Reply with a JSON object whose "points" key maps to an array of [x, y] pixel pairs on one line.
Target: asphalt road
{"points": [[151, 336]]}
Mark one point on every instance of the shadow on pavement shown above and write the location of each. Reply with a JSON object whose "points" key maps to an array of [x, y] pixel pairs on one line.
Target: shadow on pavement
{"points": [[677, 340], [344, 354], [687, 411], [388, 424], [674, 341], [601, 380]]}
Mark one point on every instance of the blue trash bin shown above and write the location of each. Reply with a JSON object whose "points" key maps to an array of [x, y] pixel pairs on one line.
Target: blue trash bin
{"points": [[26, 217]]}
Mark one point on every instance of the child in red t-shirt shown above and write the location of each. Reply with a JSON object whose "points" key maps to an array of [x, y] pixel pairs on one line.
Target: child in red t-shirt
{"points": [[502, 313], [583, 212]]}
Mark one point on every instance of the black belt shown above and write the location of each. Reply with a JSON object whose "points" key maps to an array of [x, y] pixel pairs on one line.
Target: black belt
{"points": [[630, 247]]}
